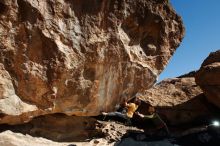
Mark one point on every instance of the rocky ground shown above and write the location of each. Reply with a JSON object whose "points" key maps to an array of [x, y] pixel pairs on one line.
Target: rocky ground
{"points": [[118, 134]]}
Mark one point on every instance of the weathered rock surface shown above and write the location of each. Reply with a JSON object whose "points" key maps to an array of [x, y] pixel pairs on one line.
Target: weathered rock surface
{"points": [[9, 138], [179, 101], [208, 78], [80, 57]]}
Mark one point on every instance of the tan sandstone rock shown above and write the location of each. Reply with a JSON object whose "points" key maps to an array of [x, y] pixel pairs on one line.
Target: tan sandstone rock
{"points": [[80, 57], [208, 77], [179, 101], [9, 138]]}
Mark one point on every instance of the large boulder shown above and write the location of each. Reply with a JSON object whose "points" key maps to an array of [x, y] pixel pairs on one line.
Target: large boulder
{"points": [[208, 77], [179, 101], [80, 57]]}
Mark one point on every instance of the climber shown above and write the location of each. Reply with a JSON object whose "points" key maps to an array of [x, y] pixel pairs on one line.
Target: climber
{"points": [[153, 116], [127, 111]]}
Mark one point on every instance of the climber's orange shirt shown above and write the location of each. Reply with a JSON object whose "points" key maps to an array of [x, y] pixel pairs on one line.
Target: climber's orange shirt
{"points": [[131, 107]]}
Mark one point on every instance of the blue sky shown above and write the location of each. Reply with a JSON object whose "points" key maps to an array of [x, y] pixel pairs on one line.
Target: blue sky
{"points": [[201, 19]]}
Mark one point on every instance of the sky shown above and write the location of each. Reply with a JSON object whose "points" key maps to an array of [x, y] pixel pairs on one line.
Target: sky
{"points": [[201, 19]]}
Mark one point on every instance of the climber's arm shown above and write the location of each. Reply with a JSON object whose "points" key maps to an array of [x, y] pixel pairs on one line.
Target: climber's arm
{"points": [[145, 116]]}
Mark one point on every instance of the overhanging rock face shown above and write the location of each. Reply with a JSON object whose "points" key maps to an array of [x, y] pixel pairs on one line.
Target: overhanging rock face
{"points": [[80, 57]]}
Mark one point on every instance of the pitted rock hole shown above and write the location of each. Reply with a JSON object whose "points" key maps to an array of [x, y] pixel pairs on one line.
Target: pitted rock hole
{"points": [[28, 13], [89, 74], [3, 8], [147, 44]]}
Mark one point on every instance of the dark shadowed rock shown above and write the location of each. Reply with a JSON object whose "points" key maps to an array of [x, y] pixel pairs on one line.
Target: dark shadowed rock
{"points": [[179, 101], [59, 127]]}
